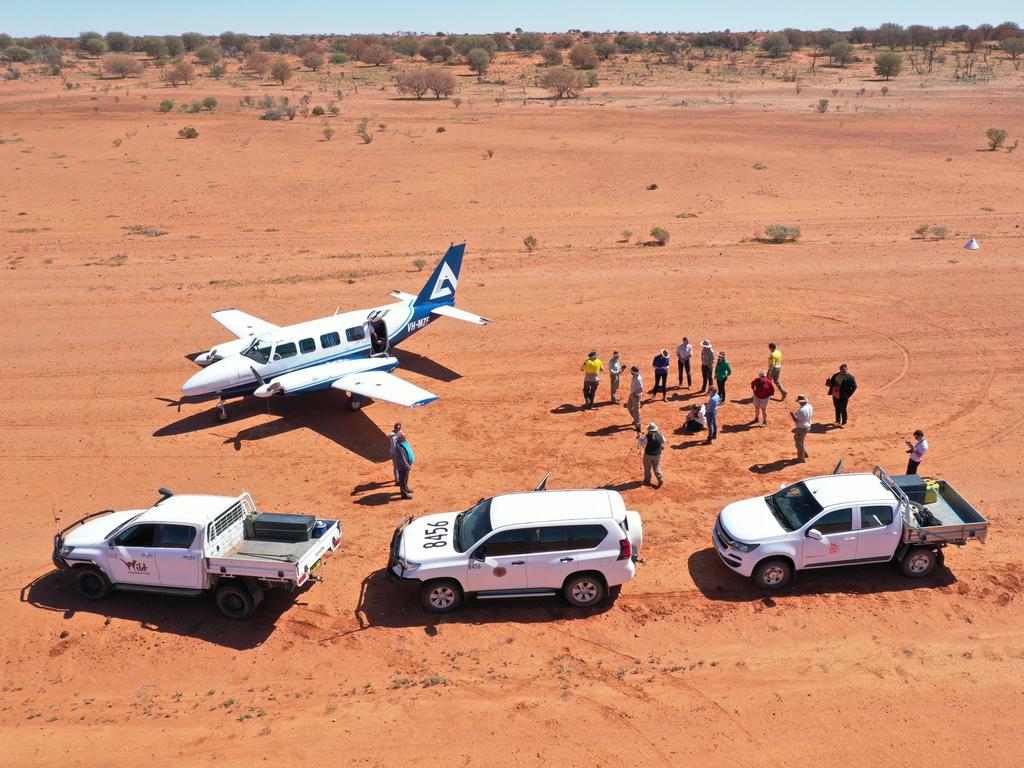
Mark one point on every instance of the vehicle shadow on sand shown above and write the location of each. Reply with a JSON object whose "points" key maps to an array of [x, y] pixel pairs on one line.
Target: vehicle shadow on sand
{"points": [[716, 582], [384, 604], [323, 412], [195, 617]]}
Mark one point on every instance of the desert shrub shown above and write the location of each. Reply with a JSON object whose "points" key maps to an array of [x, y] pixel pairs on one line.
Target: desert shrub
{"points": [[95, 46], [154, 47], [210, 103], [583, 56], [268, 101], [1014, 46], [314, 60], [660, 235], [885, 90], [12, 73], [165, 106], [319, 111], [479, 60], [195, 106], [528, 41], [272, 114], [180, 71], [780, 233], [340, 58], [333, 108], [409, 45], [413, 81], [562, 42], [552, 57], [276, 43], [563, 82], [175, 45], [328, 132], [465, 43], [436, 50], [376, 55], [626, 235], [776, 45], [5, 40], [188, 132], [821, 106], [305, 46], [258, 62], [940, 233], [630, 43], [921, 230], [119, 42], [440, 82], [281, 70], [530, 242], [193, 41], [217, 71], [996, 138], [888, 64], [419, 264], [17, 53], [363, 131], [605, 49], [121, 65], [592, 81], [207, 55]]}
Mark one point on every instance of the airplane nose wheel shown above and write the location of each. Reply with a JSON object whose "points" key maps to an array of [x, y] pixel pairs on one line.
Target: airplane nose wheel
{"points": [[222, 415]]}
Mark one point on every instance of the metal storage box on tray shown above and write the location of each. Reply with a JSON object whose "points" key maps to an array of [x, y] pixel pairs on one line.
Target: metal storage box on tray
{"points": [[268, 526]]}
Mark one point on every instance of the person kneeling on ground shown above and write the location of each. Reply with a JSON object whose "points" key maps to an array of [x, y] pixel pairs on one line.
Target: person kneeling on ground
{"points": [[653, 444], [696, 419]]}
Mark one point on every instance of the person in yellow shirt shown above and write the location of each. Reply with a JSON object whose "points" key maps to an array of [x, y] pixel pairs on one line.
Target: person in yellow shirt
{"points": [[591, 368], [775, 369]]}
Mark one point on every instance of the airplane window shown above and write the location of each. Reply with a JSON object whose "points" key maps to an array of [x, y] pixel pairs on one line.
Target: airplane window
{"points": [[259, 351], [332, 339], [355, 334], [282, 351], [307, 345]]}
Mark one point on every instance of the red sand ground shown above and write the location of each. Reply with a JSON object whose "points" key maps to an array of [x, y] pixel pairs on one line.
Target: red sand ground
{"points": [[691, 666]]}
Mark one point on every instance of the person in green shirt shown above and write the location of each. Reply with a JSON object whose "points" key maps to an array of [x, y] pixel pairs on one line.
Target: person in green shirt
{"points": [[722, 372]]}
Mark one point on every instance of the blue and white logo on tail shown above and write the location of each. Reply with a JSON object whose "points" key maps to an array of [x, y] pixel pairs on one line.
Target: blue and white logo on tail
{"points": [[350, 351]]}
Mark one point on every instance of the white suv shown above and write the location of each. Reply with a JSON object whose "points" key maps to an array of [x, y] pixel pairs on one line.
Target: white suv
{"points": [[583, 544]]}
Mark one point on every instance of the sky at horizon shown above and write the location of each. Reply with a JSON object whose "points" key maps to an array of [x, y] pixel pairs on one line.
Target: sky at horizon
{"points": [[66, 18]]}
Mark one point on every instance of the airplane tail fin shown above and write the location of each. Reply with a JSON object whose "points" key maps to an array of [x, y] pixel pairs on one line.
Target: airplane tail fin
{"points": [[440, 288]]}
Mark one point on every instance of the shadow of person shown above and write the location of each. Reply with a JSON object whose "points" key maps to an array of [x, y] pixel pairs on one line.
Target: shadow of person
{"points": [[377, 499], [772, 466], [364, 487], [628, 485], [727, 428], [822, 428], [568, 408], [611, 429], [689, 443]]}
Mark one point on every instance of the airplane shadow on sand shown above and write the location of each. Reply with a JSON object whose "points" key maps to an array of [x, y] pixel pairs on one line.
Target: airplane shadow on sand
{"points": [[716, 582], [410, 361], [384, 604], [197, 618], [325, 413]]}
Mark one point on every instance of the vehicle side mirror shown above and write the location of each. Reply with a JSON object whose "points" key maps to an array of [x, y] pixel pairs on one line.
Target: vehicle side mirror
{"points": [[815, 534], [479, 554]]}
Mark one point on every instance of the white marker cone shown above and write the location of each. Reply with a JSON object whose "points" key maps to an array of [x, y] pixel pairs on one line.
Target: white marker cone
{"points": [[972, 245]]}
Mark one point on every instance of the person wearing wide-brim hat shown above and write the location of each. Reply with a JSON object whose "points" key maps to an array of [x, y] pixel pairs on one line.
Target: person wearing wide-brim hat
{"points": [[653, 444], [722, 372], [636, 393], [661, 363], [707, 366], [801, 426], [591, 368]]}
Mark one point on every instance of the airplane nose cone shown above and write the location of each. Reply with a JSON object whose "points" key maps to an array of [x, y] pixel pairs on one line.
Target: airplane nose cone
{"points": [[214, 378]]}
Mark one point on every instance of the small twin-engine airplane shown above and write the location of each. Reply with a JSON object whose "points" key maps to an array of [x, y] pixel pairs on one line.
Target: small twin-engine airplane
{"points": [[348, 351]]}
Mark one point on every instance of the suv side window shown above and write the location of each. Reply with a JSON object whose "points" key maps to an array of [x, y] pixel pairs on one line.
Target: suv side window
{"points": [[875, 517], [836, 521], [176, 536], [141, 535], [554, 538], [587, 536], [507, 543]]}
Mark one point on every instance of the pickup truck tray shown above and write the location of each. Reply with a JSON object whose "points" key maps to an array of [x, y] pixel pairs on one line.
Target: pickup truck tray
{"points": [[268, 526], [959, 521]]}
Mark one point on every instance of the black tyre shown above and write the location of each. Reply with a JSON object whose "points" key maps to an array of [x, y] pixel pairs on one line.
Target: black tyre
{"points": [[584, 590], [918, 562], [441, 596], [773, 574], [92, 583], [234, 601], [355, 403]]}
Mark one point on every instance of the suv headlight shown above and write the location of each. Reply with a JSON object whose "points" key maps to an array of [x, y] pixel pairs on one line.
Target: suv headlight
{"points": [[409, 567], [739, 546]]}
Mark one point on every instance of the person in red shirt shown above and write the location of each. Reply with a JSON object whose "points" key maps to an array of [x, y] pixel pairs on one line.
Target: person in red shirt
{"points": [[763, 389]]}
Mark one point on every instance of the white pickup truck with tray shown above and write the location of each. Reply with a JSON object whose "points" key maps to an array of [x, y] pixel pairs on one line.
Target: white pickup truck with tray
{"points": [[191, 544], [845, 519]]}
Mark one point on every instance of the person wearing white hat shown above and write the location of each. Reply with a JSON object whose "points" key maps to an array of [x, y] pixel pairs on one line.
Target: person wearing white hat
{"points": [[636, 392], [653, 444], [801, 426], [707, 366]]}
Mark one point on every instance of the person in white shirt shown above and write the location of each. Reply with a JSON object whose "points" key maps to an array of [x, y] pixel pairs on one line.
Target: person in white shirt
{"points": [[801, 426], [917, 450], [696, 419], [683, 354], [614, 372]]}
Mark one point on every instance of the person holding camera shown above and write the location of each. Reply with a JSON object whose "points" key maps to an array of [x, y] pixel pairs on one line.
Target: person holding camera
{"points": [[917, 450]]}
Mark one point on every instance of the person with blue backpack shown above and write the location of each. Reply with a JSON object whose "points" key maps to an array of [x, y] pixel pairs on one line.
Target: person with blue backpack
{"points": [[402, 459]]}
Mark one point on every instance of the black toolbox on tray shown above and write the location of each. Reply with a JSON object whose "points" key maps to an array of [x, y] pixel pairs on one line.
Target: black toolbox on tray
{"points": [[270, 526], [917, 488]]}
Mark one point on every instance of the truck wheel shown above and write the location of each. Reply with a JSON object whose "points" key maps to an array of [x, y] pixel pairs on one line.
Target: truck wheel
{"points": [[584, 590], [92, 583], [773, 574], [234, 601], [918, 562], [441, 596]]}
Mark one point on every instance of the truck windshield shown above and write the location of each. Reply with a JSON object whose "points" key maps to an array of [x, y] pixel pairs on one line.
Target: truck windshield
{"points": [[259, 351], [472, 525], [795, 505]]}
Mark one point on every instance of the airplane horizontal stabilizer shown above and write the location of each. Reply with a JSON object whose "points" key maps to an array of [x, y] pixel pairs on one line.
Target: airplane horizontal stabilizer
{"points": [[403, 296], [460, 314], [241, 323], [384, 386]]}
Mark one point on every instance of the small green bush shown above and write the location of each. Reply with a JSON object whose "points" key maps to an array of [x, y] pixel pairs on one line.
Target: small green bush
{"points": [[419, 264], [822, 106], [328, 133], [530, 242], [626, 235], [210, 103], [780, 233], [188, 132], [166, 106], [271, 114], [319, 111], [940, 233], [996, 138], [660, 235], [922, 230]]}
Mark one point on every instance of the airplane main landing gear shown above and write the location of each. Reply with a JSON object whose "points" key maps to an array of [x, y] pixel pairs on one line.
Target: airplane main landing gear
{"points": [[222, 415], [355, 402]]}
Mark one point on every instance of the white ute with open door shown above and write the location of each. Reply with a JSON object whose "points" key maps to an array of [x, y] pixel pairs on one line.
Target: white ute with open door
{"points": [[187, 545], [581, 544], [845, 519]]}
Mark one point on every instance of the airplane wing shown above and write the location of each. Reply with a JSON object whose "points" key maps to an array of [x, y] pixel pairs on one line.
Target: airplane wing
{"points": [[384, 386], [241, 323], [460, 314]]}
